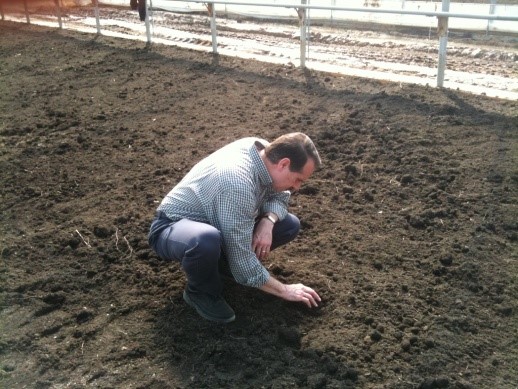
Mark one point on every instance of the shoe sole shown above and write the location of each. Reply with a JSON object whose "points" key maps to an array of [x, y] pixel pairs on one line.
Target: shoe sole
{"points": [[188, 300]]}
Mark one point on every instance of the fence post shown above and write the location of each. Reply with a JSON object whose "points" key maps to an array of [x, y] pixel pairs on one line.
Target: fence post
{"points": [[443, 42], [212, 11], [97, 21], [148, 27], [26, 11], [491, 12], [302, 21], [58, 11]]}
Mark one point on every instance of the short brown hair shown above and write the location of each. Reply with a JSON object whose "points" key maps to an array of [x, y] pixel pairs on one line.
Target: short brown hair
{"points": [[297, 147]]}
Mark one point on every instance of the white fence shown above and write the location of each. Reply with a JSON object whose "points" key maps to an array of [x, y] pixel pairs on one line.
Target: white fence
{"points": [[490, 17], [303, 9], [402, 12]]}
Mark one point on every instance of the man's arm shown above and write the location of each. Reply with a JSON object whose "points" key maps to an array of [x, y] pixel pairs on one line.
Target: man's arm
{"points": [[292, 292], [236, 224], [262, 237]]}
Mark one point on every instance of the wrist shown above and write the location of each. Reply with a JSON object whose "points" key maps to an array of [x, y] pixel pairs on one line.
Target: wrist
{"points": [[270, 217]]}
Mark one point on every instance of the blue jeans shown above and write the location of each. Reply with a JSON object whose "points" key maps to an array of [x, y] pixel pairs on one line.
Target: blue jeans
{"points": [[197, 247]]}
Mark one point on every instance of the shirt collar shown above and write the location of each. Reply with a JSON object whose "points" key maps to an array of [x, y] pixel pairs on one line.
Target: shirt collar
{"points": [[264, 176]]}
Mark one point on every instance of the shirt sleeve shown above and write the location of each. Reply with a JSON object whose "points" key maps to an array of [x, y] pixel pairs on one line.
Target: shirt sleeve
{"points": [[235, 211], [277, 203]]}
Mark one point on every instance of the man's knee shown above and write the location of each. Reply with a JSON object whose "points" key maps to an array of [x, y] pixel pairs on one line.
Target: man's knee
{"points": [[292, 227], [207, 243], [285, 231]]}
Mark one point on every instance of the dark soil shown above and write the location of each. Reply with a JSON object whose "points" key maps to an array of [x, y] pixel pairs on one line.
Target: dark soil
{"points": [[409, 233]]}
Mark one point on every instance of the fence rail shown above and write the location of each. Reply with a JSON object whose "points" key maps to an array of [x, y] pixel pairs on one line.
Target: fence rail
{"points": [[362, 9]]}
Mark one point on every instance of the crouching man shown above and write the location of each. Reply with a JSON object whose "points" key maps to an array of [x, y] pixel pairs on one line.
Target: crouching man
{"points": [[229, 212]]}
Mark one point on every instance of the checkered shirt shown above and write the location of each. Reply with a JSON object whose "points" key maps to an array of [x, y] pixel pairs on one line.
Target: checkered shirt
{"points": [[229, 189]]}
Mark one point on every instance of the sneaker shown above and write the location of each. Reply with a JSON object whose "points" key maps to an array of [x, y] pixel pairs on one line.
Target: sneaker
{"points": [[209, 307]]}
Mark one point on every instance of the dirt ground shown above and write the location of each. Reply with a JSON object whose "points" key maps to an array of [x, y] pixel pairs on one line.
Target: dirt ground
{"points": [[409, 232]]}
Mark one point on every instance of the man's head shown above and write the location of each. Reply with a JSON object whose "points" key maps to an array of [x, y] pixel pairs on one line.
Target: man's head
{"points": [[291, 159]]}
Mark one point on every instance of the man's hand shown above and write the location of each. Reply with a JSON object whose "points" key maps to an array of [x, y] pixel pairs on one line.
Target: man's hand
{"points": [[292, 292], [262, 238], [302, 293]]}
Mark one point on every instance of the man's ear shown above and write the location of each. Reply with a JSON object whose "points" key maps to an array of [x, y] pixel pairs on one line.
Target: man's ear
{"points": [[284, 163]]}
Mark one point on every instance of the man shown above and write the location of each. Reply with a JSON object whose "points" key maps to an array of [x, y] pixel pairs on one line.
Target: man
{"points": [[229, 212]]}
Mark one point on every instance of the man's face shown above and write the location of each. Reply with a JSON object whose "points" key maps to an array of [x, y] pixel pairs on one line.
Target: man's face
{"points": [[284, 179]]}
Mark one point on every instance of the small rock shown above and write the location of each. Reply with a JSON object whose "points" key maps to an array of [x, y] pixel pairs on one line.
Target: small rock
{"points": [[446, 260], [405, 345], [351, 374], [429, 343], [317, 381], [406, 179], [102, 232], [435, 383], [84, 316], [477, 53], [290, 336], [368, 196], [378, 265], [376, 335], [505, 310]]}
